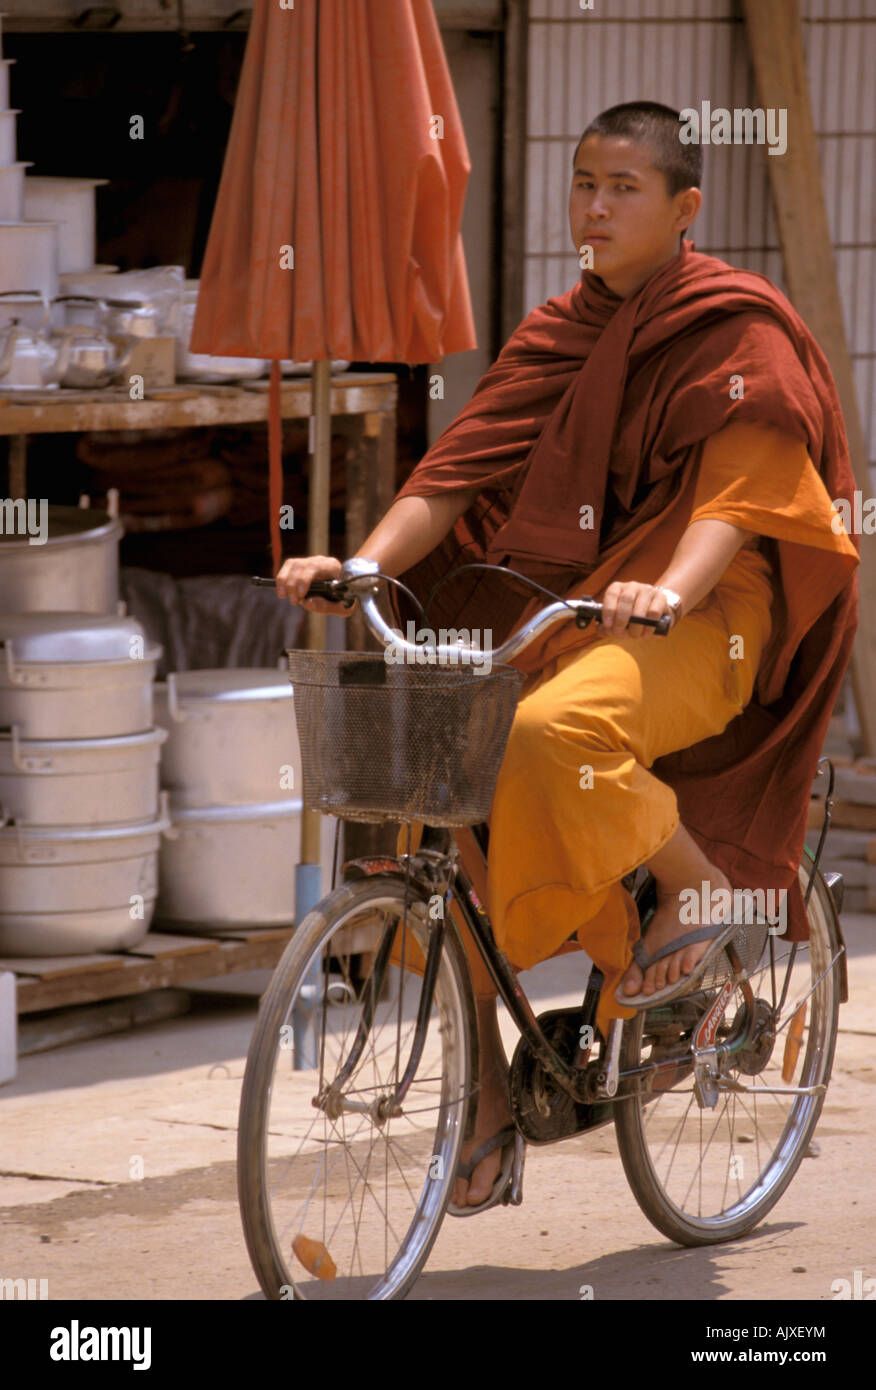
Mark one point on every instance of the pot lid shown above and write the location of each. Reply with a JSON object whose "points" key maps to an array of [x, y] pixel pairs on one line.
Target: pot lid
{"points": [[230, 683], [66, 526], [70, 637]]}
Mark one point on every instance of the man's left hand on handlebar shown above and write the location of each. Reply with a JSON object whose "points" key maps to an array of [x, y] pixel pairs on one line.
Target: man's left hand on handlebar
{"points": [[623, 599]]}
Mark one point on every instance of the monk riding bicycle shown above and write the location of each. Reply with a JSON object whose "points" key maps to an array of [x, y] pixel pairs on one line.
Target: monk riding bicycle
{"points": [[365, 1071]]}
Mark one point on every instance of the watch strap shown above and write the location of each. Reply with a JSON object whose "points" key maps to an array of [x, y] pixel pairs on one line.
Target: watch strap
{"points": [[674, 600]]}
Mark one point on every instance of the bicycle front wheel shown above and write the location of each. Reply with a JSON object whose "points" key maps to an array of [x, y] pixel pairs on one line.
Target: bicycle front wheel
{"points": [[703, 1175], [340, 1197]]}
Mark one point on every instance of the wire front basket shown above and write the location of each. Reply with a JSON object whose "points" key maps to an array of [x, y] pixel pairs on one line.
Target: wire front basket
{"points": [[385, 742]]}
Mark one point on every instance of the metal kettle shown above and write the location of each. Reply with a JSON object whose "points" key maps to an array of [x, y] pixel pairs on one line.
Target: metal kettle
{"points": [[92, 359], [30, 361]]}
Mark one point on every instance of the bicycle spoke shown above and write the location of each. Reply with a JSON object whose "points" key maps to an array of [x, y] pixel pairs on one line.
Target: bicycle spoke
{"points": [[685, 1161], [363, 1202]]}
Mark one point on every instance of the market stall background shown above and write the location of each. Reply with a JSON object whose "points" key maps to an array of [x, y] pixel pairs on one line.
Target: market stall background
{"points": [[193, 486]]}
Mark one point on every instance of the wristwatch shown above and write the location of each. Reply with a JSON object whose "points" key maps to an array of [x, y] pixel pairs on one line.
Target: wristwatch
{"points": [[673, 599]]}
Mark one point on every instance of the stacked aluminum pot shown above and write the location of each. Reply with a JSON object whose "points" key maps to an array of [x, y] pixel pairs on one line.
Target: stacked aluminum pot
{"points": [[80, 821], [232, 768]]}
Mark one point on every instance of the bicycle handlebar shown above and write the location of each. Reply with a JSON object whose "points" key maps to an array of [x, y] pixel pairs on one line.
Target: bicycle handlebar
{"points": [[360, 582]]}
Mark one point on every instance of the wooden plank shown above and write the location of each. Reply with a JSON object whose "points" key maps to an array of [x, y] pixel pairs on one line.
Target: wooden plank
{"points": [[844, 814], [157, 944], [136, 974], [54, 967], [856, 785], [776, 44], [847, 844], [217, 933], [63, 1026], [352, 393]]}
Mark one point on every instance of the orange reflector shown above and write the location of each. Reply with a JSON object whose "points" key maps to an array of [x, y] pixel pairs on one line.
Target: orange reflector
{"points": [[314, 1256], [792, 1044]]}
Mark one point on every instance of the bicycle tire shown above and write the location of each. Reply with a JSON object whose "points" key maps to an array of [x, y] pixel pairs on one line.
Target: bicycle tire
{"points": [[458, 1034], [661, 1210]]}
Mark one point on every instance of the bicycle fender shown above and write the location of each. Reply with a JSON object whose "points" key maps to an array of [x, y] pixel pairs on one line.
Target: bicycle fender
{"points": [[833, 891], [371, 866]]}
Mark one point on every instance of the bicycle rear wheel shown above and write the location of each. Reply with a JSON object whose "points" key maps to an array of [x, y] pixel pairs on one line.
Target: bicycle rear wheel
{"points": [[702, 1176], [339, 1200]]}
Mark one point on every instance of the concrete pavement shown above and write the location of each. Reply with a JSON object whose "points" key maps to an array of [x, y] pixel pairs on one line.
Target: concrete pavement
{"points": [[117, 1178]]}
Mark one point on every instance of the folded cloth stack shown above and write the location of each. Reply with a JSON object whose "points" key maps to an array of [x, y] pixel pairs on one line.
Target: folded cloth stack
{"points": [[245, 452], [167, 479]]}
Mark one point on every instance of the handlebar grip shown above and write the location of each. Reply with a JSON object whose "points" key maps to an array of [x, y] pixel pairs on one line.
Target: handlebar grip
{"points": [[334, 590], [660, 625]]}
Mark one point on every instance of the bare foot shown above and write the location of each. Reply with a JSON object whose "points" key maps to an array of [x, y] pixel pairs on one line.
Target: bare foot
{"points": [[667, 924]]}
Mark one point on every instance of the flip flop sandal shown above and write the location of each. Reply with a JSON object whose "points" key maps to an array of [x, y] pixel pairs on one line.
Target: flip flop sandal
{"points": [[719, 933], [505, 1139]]}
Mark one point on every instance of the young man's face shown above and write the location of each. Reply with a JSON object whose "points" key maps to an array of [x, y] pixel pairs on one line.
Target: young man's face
{"points": [[619, 205]]}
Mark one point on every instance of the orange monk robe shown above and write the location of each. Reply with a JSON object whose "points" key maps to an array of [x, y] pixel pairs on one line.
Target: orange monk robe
{"points": [[758, 478]]}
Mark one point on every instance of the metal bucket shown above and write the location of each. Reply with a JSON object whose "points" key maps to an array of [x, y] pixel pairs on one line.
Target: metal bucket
{"points": [[74, 891], [84, 782], [12, 191], [75, 571], [72, 202], [231, 865], [29, 250], [75, 675]]}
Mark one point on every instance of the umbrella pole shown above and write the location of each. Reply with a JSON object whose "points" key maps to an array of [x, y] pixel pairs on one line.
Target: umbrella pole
{"points": [[308, 873]]}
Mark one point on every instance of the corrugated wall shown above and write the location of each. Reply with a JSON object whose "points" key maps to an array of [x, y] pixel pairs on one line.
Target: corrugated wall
{"points": [[682, 52]]}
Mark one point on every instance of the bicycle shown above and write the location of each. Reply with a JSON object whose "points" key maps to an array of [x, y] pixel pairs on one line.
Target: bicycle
{"points": [[347, 1202]]}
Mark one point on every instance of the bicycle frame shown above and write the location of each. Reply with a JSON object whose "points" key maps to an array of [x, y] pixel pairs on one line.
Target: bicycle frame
{"points": [[577, 1082], [360, 576], [501, 973]]}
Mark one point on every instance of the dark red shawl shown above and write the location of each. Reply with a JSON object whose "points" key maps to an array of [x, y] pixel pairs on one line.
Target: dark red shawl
{"points": [[602, 401]]}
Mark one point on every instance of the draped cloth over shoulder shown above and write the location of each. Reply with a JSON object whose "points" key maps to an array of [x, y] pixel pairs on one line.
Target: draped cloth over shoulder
{"points": [[585, 435]]}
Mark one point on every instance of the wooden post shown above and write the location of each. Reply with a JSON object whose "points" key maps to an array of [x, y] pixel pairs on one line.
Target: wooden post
{"points": [[775, 41], [18, 465], [370, 490], [317, 544], [514, 97]]}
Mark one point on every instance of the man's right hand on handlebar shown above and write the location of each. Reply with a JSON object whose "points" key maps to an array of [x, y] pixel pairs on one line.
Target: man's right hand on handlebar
{"points": [[297, 575]]}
